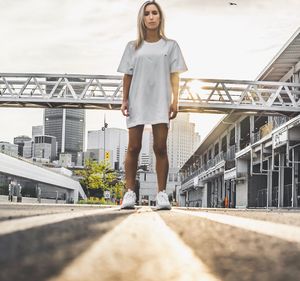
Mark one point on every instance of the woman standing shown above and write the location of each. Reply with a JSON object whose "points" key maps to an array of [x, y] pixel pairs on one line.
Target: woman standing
{"points": [[151, 66]]}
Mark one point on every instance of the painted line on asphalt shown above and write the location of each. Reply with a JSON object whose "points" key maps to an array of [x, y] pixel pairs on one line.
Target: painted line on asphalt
{"points": [[282, 231], [141, 247], [21, 224]]}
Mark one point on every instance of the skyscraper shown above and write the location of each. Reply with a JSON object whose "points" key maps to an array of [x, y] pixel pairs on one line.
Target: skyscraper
{"points": [[37, 131], [116, 141], [67, 125], [182, 140]]}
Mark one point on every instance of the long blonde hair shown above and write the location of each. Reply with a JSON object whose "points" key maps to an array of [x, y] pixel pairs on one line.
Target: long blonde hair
{"points": [[141, 28]]}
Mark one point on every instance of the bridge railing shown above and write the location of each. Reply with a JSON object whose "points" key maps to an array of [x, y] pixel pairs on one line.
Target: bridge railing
{"points": [[105, 92]]}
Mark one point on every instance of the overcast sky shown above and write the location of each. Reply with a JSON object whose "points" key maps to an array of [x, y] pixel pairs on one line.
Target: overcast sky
{"points": [[88, 37]]}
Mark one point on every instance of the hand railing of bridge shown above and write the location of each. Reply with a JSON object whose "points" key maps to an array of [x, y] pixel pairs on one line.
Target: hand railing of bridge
{"points": [[105, 92]]}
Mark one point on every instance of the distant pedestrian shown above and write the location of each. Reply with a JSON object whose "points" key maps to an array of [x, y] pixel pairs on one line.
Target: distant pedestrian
{"points": [[151, 65], [19, 193], [39, 194], [10, 192]]}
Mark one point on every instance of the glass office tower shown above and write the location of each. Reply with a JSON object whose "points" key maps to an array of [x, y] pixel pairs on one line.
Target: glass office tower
{"points": [[66, 124]]}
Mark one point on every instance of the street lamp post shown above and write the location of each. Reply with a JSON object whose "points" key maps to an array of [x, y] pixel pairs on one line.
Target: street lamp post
{"points": [[104, 129], [104, 154]]}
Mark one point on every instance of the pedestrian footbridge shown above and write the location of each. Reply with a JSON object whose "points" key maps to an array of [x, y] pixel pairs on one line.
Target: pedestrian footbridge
{"points": [[105, 92]]}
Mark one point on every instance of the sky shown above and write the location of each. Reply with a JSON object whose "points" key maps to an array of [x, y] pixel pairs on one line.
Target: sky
{"points": [[218, 40]]}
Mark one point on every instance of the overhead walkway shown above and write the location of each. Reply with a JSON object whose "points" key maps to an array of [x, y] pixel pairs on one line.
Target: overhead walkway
{"points": [[105, 92]]}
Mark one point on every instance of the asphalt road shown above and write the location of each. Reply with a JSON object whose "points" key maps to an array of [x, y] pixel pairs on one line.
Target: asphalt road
{"points": [[50, 242]]}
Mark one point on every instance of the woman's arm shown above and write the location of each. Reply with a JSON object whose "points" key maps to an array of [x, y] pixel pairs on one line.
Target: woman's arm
{"points": [[175, 91], [126, 86]]}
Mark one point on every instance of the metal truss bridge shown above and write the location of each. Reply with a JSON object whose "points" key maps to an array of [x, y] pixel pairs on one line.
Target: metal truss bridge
{"points": [[105, 92]]}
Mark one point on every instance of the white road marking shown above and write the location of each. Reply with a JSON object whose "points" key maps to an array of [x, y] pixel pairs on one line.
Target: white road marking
{"points": [[283, 231], [143, 248], [15, 225]]}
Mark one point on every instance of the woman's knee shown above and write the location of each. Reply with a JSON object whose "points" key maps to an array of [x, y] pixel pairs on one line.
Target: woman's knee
{"points": [[134, 148]]}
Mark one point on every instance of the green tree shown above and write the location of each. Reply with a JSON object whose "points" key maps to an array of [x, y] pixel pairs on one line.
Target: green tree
{"points": [[99, 176], [117, 190]]}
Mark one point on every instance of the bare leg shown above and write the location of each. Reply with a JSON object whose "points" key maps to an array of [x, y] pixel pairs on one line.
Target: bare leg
{"points": [[160, 134], [132, 155]]}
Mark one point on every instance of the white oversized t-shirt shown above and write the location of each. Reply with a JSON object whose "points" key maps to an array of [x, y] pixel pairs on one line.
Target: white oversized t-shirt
{"points": [[150, 90]]}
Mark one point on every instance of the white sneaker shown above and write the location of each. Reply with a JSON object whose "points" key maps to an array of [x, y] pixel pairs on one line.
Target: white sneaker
{"points": [[128, 200], [162, 201]]}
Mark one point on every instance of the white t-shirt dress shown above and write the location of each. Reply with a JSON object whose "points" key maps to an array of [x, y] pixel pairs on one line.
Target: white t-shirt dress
{"points": [[150, 91]]}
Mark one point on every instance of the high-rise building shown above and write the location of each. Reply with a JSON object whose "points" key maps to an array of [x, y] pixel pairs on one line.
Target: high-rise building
{"points": [[19, 141], [182, 140], [67, 125], [37, 131], [116, 142]]}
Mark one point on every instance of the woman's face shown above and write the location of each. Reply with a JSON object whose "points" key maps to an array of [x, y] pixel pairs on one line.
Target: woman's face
{"points": [[151, 17]]}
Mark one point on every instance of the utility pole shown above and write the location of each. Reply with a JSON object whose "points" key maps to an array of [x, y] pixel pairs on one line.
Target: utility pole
{"points": [[104, 154], [104, 129]]}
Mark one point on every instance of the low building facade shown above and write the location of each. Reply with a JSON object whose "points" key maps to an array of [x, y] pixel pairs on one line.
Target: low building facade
{"points": [[250, 161]]}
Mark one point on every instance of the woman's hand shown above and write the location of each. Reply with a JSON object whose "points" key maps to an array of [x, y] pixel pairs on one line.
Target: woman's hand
{"points": [[175, 86], [124, 108], [173, 110], [126, 86]]}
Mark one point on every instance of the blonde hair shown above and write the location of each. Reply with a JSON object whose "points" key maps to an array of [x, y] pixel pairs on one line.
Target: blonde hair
{"points": [[141, 28]]}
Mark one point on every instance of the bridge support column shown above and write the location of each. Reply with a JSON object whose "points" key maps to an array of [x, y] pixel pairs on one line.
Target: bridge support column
{"points": [[281, 179], [295, 177], [63, 131], [269, 183]]}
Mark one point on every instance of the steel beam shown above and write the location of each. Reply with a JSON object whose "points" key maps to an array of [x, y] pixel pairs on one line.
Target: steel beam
{"points": [[105, 92]]}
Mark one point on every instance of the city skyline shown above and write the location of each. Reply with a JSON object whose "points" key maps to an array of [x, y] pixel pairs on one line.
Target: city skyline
{"points": [[226, 42]]}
